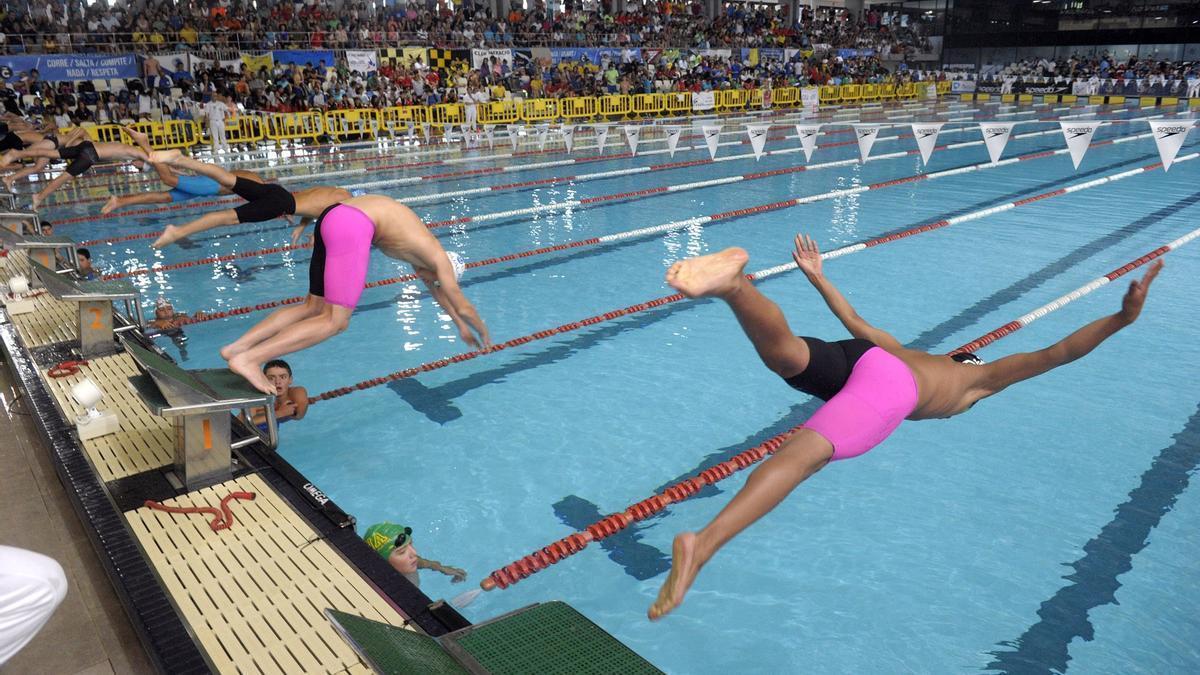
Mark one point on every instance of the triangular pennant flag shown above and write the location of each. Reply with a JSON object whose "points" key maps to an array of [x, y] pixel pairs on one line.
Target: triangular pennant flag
{"points": [[601, 137], [995, 137], [926, 134], [543, 133], [712, 136], [1169, 136], [512, 136], [425, 131], [866, 135], [758, 138], [490, 134], [673, 134], [808, 138], [568, 134], [1079, 137], [633, 134]]}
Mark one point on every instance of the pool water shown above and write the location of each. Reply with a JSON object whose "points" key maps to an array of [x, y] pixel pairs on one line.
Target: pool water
{"points": [[1047, 530]]}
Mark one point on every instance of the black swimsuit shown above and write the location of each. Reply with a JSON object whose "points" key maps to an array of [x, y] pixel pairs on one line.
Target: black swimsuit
{"points": [[265, 201], [829, 366], [81, 156]]}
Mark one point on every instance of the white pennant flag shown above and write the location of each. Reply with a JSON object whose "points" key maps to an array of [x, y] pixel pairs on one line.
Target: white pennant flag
{"points": [[512, 136], [926, 134], [568, 134], [866, 134], [673, 134], [490, 134], [808, 138], [712, 135], [758, 138], [543, 133], [632, 135], [1169, 137], [425, 131], [995, 137], [601, 137], [1079, 137]]}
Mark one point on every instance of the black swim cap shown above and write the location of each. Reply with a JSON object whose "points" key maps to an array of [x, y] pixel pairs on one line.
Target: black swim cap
{"points": [[968, 357]]}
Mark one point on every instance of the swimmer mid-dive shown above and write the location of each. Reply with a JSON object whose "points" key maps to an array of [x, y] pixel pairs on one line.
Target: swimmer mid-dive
{"points": [[80, 156], [870, 384], [21, 135], [337, 276], [183, 187], [265, 201]]}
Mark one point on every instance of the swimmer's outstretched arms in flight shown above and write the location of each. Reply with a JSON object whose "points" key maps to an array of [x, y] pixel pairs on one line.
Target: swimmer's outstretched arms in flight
{"points": [[337, 276], [869, 384]]}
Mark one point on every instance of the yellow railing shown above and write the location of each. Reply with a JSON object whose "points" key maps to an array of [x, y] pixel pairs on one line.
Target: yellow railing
{"points": [[650, 104], [678, 102], [851, 93], [943, 87], [578, 108], [240, 129], [887, 92], [830, 94], [870, 92], [356, 122], [615, 105], [499, 112], [292, 126], [539, 109], [785, 97], [443, 115], [731, 99], [402, 119], [101, 133]]}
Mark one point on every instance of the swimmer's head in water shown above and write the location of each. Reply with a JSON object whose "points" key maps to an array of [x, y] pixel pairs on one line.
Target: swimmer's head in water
{"points": [[387, 537], [968, 358], [279, 373], [457, 262]]}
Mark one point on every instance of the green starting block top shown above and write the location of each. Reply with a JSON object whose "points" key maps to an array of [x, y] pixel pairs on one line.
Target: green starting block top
{"points": [[64, 287], [42, 241], [548, 639], [169, 390]]}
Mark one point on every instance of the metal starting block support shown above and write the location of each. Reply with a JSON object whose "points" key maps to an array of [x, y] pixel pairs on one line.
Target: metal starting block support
{"points": [[95, 300], [199, 403]]}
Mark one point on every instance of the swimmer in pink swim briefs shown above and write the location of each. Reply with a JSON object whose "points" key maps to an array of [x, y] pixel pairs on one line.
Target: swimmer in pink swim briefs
{"points": [[869, 384], [337, 276]]}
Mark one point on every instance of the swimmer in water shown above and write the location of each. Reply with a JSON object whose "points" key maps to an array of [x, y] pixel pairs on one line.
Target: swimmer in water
{"points": [[183, 187], [394, 544], [870, 384], [337, 276], [291, 402], [264, 201]]}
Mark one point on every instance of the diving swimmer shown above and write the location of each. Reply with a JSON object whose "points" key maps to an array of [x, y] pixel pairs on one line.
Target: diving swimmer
{"points": [[870, 384], [337, 276]]}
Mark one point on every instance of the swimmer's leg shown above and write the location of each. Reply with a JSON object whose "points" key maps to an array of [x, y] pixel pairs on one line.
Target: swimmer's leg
{"points": [[38, 166], [179, 160], [721, 275], [165, 173], [208, 221], [121, 202], [59, 181], [332, 320], [802, 455], [275, 322]]}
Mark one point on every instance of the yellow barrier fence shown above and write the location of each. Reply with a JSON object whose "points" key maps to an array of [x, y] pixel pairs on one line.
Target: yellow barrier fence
{"points": [[292, 126], [578, 108], [499, 112], [341, 124], [101, 133], [678, 102], [943, 87], [731, 99], [851, 93], [443, 115], [830, 94], [870, 92], [615, 105], [649, 104], [406, 119], [888, 92], [539, 110]]}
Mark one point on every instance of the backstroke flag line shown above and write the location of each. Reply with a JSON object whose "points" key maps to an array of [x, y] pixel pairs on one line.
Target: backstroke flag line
{"points": [[758, 138], [633, 134], [1169, 137], [1079, 137], [926, 134], [808, 138], [712, 135], [995, 137], [866, 135], [673, 138]]}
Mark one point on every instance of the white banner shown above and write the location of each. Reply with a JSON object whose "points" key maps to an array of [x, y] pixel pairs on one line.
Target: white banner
{"points": [[479, 56], [810, 98], [931, 91], [1079, 137], [568, 134], [543, 133], [808, 138], [866, 134], [703, 100], [673, 134], [758, 138], [512, 136], [926, 134], [362, 61], [712, 135], [1169, 137], [633, 134], [601, 131], [995, 136]]}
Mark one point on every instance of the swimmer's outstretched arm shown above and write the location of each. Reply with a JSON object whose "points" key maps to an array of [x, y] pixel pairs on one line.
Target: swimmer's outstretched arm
{"points": [[1005, 372], [808, 258], [457, 573]]}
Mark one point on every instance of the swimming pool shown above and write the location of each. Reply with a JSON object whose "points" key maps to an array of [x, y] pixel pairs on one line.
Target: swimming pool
{"points": [[993, 541]]}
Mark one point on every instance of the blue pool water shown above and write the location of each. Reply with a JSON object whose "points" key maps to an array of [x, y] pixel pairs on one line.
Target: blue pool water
{"points": [[1048, 529]]}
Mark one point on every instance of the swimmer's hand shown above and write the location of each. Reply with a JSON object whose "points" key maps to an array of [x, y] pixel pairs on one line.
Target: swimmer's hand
{"points": [[807, 256], [299, 238], [285, 410], [457, 575], [1135, 297]]}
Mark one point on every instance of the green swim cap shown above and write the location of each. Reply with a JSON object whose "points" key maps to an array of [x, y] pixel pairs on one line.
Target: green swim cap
{"points": [[387, 537]]}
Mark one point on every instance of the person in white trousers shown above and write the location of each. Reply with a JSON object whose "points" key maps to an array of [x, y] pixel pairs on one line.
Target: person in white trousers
{"points": [[31, 587], [216, 111]]}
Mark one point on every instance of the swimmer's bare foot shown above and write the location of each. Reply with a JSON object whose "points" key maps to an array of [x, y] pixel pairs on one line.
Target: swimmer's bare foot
{"points": [[164, 156], [110, 205], [684, 566], [169, 236], [37, 201], [715, 275], [253, 374], [139, 139]]}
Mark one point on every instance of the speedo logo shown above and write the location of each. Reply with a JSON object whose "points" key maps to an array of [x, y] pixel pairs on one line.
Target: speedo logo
{"points": [[863, 133], [757, 133], [998, 131], [1168, 132], [1076, 132], [926, 132], [316, 494]]}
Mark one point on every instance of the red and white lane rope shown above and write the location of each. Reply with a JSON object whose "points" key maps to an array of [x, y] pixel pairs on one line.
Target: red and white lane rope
{"points": [[611, 524], [756, 276], [657, 229]]}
